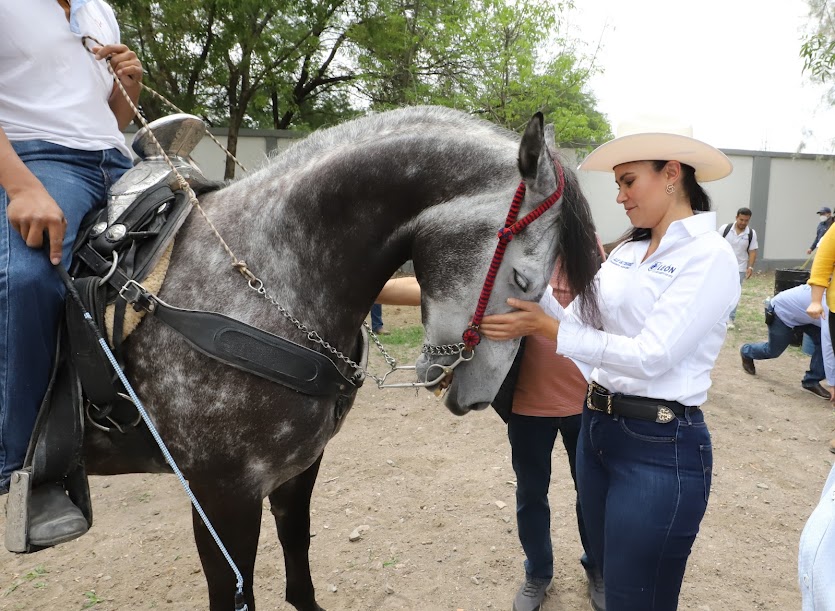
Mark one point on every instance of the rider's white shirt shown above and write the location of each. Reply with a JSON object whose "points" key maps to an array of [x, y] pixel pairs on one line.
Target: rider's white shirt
{"points": [[39, 56], [664, 318]]}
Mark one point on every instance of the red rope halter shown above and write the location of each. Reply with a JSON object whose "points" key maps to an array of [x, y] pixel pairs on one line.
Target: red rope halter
{"points": [[471, 336]]}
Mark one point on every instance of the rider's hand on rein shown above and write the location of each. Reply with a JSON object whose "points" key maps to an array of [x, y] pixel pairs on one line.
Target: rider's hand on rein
{"points": [[124, 62]]}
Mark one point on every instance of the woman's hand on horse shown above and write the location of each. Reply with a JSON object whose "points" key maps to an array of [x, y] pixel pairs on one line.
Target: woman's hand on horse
{"points": [[528, 319], [124, 62], [32, 212]]}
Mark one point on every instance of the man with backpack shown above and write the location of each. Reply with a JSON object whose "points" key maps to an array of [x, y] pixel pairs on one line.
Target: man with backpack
{"points": [[743, 240]]}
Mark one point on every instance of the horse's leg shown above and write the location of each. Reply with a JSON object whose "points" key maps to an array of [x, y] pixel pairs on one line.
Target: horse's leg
{"points": [[290, 504], [236, 516]]}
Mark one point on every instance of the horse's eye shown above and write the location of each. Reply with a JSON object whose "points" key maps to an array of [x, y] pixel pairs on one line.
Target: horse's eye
{"points": [[520, 280]]}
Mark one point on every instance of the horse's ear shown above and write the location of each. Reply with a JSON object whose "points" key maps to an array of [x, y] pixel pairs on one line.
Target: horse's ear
{"points": [[531, 147], [550, 137]]}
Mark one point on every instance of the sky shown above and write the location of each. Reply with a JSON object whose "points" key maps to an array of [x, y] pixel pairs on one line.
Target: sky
{"points": [[731, 68]]}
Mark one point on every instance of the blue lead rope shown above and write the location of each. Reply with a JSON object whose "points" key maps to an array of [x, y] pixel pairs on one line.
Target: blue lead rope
{"points": [[240, 603]]}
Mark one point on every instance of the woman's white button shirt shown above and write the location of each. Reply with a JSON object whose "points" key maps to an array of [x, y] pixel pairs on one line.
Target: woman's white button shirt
{"points": [[664, 319]]}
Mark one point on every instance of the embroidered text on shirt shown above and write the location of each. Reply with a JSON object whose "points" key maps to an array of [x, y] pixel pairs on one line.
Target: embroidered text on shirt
{"points": [[621, 263], [662, 268]]}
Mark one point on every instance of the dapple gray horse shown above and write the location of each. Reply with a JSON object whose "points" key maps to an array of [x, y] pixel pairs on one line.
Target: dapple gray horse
{"points": [[324, 225]]}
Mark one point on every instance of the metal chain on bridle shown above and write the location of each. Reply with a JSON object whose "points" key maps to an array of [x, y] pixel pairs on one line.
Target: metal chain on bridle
{"points": [[254, 283]]}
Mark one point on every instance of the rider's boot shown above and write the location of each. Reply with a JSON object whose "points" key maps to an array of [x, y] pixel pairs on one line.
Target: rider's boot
{"points": [[53, 517]]}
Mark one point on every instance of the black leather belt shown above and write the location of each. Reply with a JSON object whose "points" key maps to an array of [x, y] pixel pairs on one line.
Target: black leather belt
{"points": [[631, 406]]}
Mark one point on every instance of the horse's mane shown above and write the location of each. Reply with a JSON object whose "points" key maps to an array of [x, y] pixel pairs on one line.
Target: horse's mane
{"points": [[419, 121]]}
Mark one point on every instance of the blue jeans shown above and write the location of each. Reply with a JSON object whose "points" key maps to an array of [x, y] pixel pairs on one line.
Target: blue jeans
{"points": [[532, 441], [643, 492], [376, 317], [779, 337], [741, 281], [31, 293]]}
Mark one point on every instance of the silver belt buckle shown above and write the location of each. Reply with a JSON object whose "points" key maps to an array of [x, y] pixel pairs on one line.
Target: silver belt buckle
{"points": [[665, 414], [590, 391]]}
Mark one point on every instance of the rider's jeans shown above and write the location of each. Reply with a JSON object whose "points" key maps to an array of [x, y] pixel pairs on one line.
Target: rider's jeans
{"points": [[643, 492], [31, 293]]}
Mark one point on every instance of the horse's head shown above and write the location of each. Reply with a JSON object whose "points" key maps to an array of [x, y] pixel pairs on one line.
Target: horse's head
{"points": [[452, 264]]}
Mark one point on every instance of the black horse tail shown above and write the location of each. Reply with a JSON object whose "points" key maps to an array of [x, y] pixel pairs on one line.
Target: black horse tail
{"points": [[578, 249]]}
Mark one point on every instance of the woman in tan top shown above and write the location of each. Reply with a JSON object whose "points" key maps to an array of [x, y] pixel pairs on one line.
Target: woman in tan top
{"points": [[548, 399]]}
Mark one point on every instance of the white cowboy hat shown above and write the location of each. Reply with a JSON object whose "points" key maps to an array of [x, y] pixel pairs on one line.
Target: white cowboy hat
{"points": [[650, 139]]}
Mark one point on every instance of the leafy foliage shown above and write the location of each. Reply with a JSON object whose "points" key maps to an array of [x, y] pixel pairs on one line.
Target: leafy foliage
{"points": [[818, 49], [303, 64]]}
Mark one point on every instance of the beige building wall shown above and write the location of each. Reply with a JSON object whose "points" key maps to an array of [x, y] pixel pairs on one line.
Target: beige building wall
{"points": [[782, 190], [797, 189]]}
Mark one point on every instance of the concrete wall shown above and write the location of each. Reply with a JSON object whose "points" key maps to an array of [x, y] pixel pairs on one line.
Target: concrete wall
{"points": [[254, 146], [782, 190]]}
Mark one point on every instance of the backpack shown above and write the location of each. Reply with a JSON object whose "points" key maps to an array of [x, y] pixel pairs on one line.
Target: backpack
{"points": [[750, 234]]}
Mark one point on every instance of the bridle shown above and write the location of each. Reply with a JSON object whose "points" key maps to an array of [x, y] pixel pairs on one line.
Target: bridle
{"points": [[465, 349]]}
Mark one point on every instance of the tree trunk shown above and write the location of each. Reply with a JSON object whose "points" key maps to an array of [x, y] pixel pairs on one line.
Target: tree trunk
{"points": [[232, 145]]}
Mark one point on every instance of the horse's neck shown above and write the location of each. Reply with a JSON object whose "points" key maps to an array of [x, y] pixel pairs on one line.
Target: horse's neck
{"points": [[324, 242], [323, 275]]}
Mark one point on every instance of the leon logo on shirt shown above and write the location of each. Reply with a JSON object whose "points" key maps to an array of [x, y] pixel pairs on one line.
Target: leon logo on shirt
{"points": [[660, 267]]}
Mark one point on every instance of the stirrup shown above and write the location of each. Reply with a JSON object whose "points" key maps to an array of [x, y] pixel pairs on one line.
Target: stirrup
{"points": [[73, 519], [17, 511]]}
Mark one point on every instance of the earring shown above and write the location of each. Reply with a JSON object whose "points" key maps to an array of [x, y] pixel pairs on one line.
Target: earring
{"points": [[670, 189]]}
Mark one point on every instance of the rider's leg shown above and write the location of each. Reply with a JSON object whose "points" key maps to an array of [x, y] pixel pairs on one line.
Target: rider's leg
{"points": [[31, 293]]}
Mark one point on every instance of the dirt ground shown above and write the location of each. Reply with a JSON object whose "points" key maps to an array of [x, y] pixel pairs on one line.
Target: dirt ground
{"points": [[436, 493]]}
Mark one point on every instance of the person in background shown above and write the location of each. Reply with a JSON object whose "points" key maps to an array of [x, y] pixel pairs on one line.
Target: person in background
{"points": [[644, 455], [547, 399], [820, 278], [61, 148], [825, 220], [785, 313], [377, 319], [816, 556], [743, 240]]}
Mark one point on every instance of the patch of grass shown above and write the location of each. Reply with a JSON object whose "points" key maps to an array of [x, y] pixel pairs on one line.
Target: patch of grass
{"points": [[404, 336], [30, 575], [38, 571], [92, 599], [402, 343], [750, 316]]}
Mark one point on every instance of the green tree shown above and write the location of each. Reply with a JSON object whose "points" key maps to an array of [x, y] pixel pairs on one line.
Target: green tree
{"points": [[408, 50], [240, 63], [524, 64], [307, 63], [818, 49], [484, 56]]}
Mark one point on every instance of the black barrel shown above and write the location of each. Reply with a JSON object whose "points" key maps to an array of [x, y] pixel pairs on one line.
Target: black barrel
{"points": [[789, 278], [785, 279]]}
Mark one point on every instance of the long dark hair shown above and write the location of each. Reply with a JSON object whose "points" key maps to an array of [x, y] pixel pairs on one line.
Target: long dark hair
{"points": [[577, 250], [699, 199]]}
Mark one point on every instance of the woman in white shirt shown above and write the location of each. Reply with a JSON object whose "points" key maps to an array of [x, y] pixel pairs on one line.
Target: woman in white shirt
{"points": [[644, 458]]}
